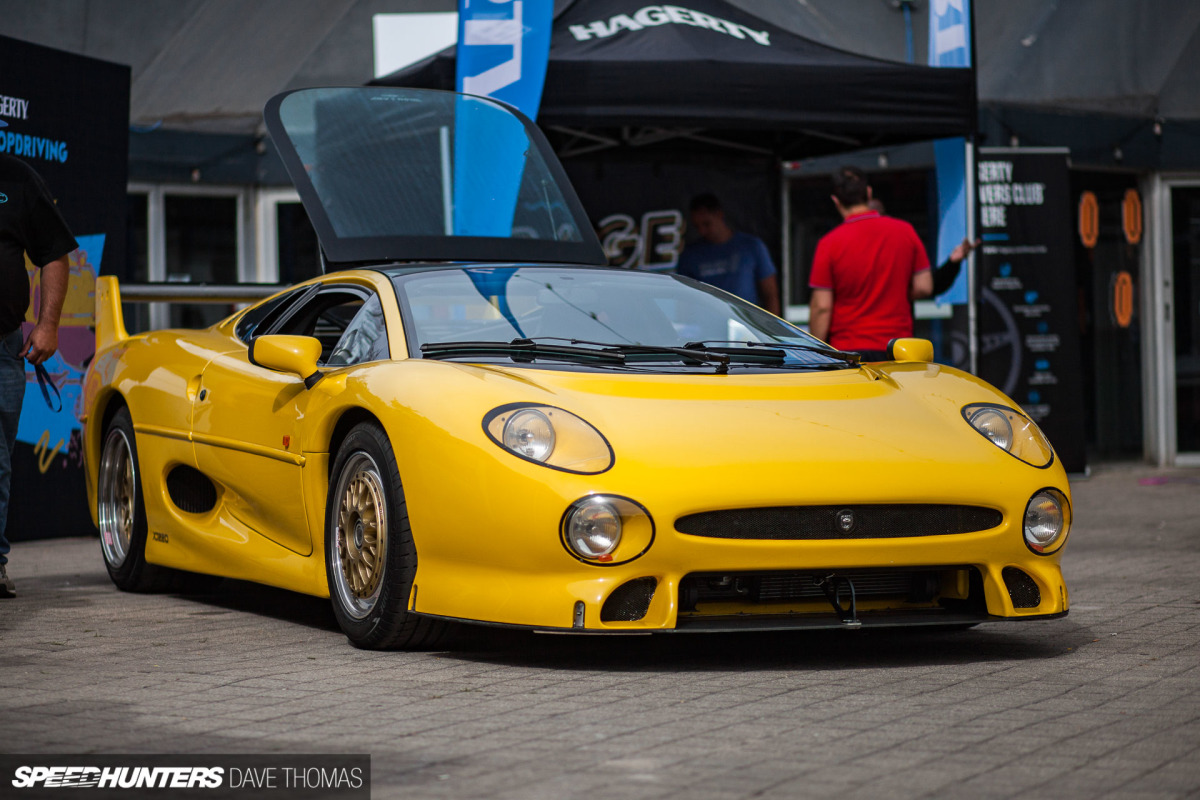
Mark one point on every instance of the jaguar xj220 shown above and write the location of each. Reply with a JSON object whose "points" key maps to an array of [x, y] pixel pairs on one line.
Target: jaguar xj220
{"points": [[468, 418]]}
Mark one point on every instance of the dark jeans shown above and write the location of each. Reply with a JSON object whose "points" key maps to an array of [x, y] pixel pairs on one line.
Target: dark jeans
{"points": [[12, 395]]}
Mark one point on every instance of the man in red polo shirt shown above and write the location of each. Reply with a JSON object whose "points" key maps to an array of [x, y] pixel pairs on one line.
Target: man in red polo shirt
{"points": [[866, 273]]}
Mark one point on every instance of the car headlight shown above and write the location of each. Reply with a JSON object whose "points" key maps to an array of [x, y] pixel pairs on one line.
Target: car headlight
{"points": [[550, 436], [605, 530], [1047, 520], [593, 528], [529, 433], [1011, 431]]}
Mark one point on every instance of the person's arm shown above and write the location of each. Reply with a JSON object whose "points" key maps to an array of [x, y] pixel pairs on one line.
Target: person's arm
{"points": [[946, 274], [43, 339], [922, 285], [820, 313], [768, 294], [766, 279]]}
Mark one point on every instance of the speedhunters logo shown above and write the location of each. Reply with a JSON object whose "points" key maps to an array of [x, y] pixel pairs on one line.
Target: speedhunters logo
{"points": [[119, 777], [283, 776]]}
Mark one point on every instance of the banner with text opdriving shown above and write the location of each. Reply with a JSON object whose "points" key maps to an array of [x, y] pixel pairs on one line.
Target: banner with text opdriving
{"points": [[67, 117], [1028, 311]]}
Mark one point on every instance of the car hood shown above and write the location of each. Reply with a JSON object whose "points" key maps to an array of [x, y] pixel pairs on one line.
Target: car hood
{"points": [[901, 422]]}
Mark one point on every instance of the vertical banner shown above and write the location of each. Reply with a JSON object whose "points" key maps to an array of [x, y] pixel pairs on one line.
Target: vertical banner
{"points": [[950, 46], [503, 49], [1028, 316], [67, 117]]}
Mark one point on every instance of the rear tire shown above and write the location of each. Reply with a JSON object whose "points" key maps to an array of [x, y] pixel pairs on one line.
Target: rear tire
{"points": [[122, 514], [370, 557]]}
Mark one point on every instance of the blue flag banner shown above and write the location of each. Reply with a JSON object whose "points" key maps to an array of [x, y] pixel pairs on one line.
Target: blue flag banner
{"points": [[950, 46], [950, 162], [949, 28], [503, 49]]}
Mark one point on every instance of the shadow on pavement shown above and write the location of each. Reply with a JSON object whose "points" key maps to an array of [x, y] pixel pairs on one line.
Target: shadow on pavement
{"points": [[715, 652], [228, 596]]}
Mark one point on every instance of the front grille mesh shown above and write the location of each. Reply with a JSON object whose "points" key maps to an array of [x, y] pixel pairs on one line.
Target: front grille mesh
{"points": [[1022, 589], [919, 585], [830, 522], [630, 601], [805, 586]]}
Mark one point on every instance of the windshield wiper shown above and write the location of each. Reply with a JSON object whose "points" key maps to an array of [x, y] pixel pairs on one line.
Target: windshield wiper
{"points": [[586, 351], [721, 360], [708, 345], [519, 350]]}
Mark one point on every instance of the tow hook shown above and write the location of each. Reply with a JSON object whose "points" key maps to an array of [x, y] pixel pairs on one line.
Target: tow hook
{"points": [[833, 585]]}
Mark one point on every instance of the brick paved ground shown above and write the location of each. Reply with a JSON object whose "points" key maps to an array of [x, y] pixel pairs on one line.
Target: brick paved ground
{"points": [[1103, 703]]}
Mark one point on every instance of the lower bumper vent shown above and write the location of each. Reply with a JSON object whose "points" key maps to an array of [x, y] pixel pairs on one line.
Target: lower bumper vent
{"points": [[630, 601], [191, 490], [1022, 589], [776, 587]]}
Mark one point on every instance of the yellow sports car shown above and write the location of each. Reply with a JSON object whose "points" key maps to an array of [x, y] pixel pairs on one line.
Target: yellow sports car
{"points": [[467, 420]]}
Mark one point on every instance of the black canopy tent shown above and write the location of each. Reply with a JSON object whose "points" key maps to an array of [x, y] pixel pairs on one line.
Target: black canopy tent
{"points": [[648, 104], [633, 73]]}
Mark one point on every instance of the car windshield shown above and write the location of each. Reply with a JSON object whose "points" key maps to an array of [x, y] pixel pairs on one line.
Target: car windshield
{"points": [[618, 309]]}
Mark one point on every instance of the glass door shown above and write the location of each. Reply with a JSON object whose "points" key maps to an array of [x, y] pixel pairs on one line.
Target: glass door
{"points": [[1185, 257]]}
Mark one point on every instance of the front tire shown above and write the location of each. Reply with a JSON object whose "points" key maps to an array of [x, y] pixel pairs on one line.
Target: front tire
{"points": [[370, 557]]}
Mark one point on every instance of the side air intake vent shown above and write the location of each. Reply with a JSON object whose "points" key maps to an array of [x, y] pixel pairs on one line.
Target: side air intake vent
{"points": [[191, 490], [630, 601], [1021, 588]]}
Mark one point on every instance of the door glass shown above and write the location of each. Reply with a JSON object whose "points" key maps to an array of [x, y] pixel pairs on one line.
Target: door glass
{"points": [[365, 338], [391, 173], [1185, 225], [1108, 281]]}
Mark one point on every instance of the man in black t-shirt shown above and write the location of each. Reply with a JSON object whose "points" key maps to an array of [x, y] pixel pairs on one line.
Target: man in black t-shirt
{"points": [[29, 223]]}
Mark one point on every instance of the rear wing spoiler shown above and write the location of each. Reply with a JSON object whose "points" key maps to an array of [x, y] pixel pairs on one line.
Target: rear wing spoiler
{"points": [[110, 319]]}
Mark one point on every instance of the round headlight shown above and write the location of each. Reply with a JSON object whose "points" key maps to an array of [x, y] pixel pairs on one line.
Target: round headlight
{"points": [[1045, 521], [530, 433], [593, 528], [993, 424]]}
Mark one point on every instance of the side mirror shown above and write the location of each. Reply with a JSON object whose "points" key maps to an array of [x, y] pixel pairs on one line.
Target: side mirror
{"points": [[910, 350], [295, 354]]}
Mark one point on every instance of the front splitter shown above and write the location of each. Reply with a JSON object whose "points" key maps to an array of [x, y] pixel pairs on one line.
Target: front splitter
{"points": [[749, 624]]}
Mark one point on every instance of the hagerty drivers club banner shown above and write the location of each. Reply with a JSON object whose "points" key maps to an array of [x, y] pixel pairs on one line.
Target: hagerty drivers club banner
{"points": [[1028, 318], [67, 117]]}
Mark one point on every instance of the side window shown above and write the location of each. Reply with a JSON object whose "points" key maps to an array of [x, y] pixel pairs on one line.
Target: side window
{"points": [[365, 338], [259, 318], [348, 322]]}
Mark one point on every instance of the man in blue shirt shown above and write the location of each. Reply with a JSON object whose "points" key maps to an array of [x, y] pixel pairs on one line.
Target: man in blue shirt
{"points": [[736, 262]]}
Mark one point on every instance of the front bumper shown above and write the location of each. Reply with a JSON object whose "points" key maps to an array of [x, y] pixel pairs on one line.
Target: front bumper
{"points": [[943, 580]]}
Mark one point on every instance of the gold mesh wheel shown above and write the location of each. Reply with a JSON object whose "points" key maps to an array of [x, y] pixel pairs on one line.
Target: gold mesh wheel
{"points": [[361, 536]]}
